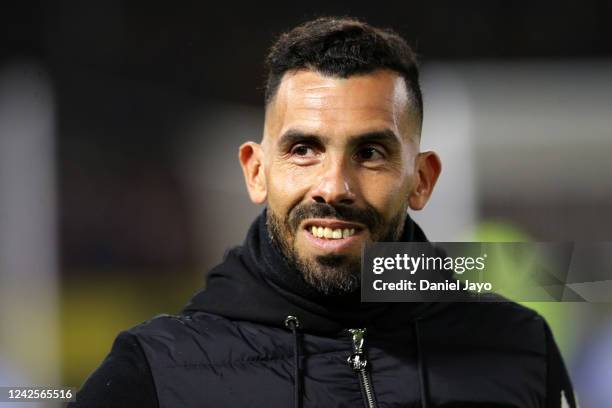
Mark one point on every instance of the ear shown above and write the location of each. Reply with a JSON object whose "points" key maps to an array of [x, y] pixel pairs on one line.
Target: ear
{"points": [[250, 156], [427, 169]]}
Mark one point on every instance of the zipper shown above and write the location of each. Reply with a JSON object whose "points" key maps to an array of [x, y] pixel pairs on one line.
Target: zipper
{"points": [[359, 364]]}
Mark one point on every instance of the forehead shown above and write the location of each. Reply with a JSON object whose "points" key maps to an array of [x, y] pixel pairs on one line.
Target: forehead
{"points": [[309, 101]]}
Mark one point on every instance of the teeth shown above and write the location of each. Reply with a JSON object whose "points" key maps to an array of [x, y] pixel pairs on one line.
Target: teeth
{"points": [[328, 233]]}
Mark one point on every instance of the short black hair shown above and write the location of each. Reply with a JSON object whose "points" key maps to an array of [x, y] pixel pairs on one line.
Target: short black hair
{"points": [[342, 47]]}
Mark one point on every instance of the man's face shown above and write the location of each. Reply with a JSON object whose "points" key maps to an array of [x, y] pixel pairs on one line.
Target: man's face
{"points": [[338, 166]]}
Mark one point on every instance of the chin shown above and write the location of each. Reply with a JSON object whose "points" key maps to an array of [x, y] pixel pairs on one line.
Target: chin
{"points": [[333, 274]]}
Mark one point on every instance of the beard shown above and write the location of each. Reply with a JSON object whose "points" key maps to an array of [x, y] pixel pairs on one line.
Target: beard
{"points": [[331, 274]]}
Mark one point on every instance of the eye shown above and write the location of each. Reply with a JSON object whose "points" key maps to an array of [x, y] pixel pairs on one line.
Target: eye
{"points": [[369, 153], [302, 150]]}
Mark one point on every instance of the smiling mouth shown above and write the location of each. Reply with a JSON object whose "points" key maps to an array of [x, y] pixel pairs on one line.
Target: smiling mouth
{"points": [[332, 229], [328, 233]]}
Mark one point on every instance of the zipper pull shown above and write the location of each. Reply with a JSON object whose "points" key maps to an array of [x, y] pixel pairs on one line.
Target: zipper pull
{"points": [[358, 361]]}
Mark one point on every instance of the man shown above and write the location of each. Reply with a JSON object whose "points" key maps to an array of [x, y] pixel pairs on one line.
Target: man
{"points": [[281, 323]]}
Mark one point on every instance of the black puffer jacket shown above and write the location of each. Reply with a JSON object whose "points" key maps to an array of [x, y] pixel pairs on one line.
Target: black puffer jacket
{"points": [[259, 337]]}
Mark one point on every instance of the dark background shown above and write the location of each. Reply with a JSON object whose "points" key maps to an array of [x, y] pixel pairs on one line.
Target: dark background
{"points": [[128, 70]]}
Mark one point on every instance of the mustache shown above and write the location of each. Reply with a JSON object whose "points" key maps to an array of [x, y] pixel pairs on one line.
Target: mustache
{"points": [[367, 216]]}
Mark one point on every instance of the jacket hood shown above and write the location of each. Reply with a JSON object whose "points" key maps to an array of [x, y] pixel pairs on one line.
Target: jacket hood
{"points": [[255, 283]]}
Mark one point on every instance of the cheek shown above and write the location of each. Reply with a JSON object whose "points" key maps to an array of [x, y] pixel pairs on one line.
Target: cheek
{"points": [[387, 196], [286, 188]]}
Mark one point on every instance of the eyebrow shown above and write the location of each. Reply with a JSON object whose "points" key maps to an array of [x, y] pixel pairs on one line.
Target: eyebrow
{"points": [[383, 136], [293, 136]]}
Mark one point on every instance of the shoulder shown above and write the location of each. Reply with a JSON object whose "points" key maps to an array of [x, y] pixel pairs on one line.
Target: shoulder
{"points": [[499, 323], [167, 327], [200, 338], [123, 378], [493, 311]]}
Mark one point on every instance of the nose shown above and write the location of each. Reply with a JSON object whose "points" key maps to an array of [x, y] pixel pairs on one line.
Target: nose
{"points": [[334, 185]]}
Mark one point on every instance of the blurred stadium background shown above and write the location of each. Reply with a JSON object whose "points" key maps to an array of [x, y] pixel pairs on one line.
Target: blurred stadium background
{"points": [[119, 128]]}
